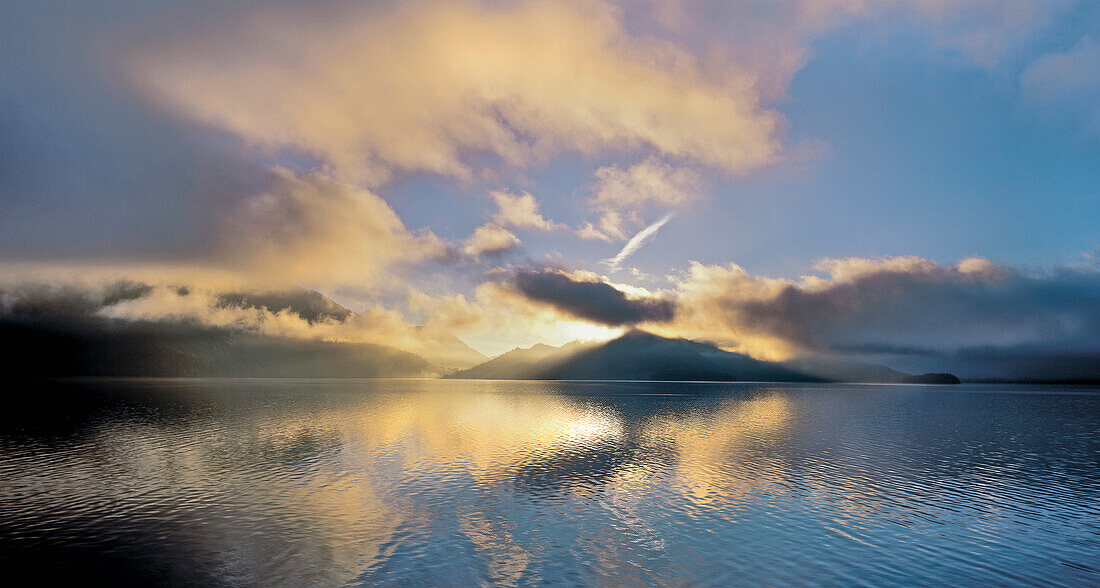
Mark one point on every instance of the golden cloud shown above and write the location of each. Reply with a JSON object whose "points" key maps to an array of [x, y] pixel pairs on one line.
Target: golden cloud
{"points": [[886, 304], [313, 229], [490, 238], [521, 211], [646, 183], [421, 87]]}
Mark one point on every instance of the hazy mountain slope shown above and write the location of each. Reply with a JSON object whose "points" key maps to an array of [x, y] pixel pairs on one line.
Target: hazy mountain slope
{"points": [[841, 370], [522, 364], [308, 304], [102, 348], [446, 350], [439, 348]]}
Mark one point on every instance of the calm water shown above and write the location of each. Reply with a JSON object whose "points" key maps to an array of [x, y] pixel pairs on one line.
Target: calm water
{"points": [[465, 483]]}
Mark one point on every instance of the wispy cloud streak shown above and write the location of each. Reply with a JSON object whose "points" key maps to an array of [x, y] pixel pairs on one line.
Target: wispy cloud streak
{"points": [[635, 243]]}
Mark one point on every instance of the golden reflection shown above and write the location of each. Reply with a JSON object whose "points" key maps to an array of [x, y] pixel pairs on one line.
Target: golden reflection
{"points": [[354, 470], [491, 536], [490, 433], [710, 449]]}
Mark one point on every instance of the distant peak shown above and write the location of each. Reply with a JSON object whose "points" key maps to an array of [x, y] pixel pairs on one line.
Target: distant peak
{"points": [[638, 334]]}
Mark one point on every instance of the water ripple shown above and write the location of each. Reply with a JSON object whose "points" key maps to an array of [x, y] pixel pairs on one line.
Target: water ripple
{"points": [[521, 483]]}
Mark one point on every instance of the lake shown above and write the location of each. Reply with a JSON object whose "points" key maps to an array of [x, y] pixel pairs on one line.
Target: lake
{"points": [[460, 483]]}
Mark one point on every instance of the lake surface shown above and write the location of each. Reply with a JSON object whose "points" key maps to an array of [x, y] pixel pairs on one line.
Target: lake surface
{"points": [[447, 483]]}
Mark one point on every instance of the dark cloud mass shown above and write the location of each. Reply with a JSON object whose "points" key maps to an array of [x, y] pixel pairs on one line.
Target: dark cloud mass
{"points": [[594, 301], [942, 311], [995, 323]]}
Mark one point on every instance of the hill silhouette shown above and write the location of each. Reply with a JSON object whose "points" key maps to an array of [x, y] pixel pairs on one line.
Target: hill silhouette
{"points": [[638, 355]]}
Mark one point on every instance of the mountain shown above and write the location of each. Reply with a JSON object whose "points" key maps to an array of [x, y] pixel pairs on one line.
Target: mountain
{"points": [[94, 347], [841, 370], [445, 350], [522, 364], [311, 305], [439, 348], [637, 355], [63, 335], [932, 379]]}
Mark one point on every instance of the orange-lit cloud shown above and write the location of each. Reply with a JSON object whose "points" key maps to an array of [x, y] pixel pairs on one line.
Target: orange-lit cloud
{"points": [[659, 98], [312, 229], [622, 195], [420, 87], [490, 238], [888, 305], [521, 211], [650, 182]]}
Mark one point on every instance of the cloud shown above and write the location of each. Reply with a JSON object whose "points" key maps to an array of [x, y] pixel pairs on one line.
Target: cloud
{"points": [[498, 317], [983, 32], [297, 313], [771, 39], [590, 299], [87, 168], [650, 182], [424, 87], [907, 306], [490, 238], [175, 308], [622, 195], [610, 225], [122, 186], [589, 232], [521, 211], [1067, 83], [635, 243], [313, 229], [774, 39]]}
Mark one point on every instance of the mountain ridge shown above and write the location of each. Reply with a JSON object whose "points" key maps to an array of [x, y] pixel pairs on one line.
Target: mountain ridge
{"points": [[639, 355], [64, 335]]}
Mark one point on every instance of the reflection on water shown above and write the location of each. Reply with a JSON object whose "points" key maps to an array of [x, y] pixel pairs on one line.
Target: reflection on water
{"points": [[458, 483]]}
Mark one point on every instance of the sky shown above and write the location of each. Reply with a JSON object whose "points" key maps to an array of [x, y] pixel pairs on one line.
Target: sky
{"points": [[909, 182]]}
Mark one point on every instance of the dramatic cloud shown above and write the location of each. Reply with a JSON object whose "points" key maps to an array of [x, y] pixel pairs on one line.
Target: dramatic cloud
{"points": [[196, 148], [591, 299], [313, 229], [420, 87], [905, 306], [490, 238], [635, 243], [498, 317]]}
